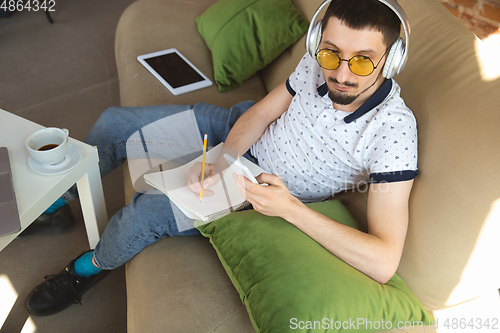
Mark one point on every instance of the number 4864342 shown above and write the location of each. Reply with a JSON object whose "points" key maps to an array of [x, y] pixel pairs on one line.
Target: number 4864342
{"points": [[29, 5]]}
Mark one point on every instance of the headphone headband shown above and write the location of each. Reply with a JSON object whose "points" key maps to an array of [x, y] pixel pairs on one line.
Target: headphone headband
{"points": [[398, 55], [396, 8]]}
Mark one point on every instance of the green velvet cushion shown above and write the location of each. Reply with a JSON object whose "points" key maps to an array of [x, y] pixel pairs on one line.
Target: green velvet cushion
{"points": [[288, 282], [246, 35]]}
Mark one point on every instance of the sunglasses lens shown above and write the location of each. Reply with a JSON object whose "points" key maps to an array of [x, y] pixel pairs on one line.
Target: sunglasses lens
{"points": [[360, 65], [328, 59]]}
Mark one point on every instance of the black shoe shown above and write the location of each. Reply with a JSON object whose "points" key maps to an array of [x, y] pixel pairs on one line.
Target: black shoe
{"points": [[58, 222], [60, 291]]}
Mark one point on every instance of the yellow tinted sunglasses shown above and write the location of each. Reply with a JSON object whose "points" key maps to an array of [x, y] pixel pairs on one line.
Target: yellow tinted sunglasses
{"points": [[359, 65]]}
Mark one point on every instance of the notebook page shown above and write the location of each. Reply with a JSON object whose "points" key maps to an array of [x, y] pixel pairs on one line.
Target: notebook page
{"points": [[173, 183]]}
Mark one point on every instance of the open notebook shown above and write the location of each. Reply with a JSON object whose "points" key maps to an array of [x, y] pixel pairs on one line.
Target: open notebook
{"points": [[226, 198]]}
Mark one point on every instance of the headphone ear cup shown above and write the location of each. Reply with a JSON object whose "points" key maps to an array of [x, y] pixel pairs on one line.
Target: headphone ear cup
{"points": [[314, 39], [394, 59]]}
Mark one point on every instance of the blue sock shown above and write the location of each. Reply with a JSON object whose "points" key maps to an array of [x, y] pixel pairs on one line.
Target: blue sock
{"points": [[84, 266], [55, 206]]}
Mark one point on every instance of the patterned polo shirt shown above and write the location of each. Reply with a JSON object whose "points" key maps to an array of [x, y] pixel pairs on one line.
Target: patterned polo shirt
{"points": [[318, 150]]}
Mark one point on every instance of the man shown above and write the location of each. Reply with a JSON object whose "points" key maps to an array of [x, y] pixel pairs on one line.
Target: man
{"points": [[334, 125]]}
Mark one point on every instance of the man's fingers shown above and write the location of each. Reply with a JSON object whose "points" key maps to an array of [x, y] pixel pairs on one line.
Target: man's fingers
{"points": [[266, 178], [248, 189], [207, 183], [210, 179], [193, 181], [239, 181]]}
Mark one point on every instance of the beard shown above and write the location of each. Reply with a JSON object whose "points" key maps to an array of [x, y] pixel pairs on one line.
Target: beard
{"points": [[339, 97]]}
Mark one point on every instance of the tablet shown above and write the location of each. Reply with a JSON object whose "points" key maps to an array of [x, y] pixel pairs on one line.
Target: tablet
{"points": [[174, 71]]}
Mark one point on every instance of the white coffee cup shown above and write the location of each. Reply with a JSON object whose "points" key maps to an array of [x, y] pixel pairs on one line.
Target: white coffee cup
{"points": [[48, 146]]}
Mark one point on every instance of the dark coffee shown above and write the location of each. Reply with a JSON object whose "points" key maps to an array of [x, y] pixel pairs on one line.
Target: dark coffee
{"points": [[48, 147]]}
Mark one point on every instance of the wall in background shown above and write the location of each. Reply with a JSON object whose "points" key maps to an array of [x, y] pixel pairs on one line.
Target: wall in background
{"points": [[482, 17]]}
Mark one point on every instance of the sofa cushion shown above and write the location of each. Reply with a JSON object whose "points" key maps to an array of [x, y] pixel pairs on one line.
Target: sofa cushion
{"points": [[146, 26], [178, 285], [286, 279], [246, 35]]}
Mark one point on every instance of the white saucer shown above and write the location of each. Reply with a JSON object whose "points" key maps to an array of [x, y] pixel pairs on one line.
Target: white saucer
{"points": [[70, 161]]}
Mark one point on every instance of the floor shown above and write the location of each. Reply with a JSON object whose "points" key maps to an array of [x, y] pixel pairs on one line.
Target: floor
{"points": [[62, 75]]}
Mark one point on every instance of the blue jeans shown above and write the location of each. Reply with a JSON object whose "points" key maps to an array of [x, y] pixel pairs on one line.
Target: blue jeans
{"points": [[148, 217]]}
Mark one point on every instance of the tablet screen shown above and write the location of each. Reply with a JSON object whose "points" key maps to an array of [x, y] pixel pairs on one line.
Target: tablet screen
{"points": [[174, 70]]}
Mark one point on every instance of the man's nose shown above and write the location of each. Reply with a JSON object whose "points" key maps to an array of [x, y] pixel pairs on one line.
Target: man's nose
{"points": [[343, 73]]}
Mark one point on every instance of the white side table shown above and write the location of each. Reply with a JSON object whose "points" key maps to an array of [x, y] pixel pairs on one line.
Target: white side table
{"points": [[35, 192]]}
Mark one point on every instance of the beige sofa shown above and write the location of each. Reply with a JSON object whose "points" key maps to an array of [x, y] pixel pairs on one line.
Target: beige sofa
{"points": [[450, 260]]}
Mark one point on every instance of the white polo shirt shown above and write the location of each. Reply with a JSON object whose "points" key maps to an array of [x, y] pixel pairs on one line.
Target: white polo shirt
{"points": [[318, 150]]}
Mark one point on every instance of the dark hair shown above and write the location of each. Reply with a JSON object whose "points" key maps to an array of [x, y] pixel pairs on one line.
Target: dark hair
{"points": [[360, 14]]}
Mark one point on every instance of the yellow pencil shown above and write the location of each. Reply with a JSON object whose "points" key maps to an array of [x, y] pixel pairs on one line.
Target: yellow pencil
{"points": [[203, 165]]}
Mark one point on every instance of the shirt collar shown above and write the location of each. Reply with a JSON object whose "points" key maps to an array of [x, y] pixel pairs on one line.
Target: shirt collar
{"points": [[378, 97]]}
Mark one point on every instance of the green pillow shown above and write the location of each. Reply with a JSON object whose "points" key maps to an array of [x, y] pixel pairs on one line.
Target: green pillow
{"points": [[288, 282], [246, 35]]}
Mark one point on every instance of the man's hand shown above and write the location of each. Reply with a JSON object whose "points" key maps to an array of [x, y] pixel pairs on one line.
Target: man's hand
{"points": [[212, 176], [376, 253], [271, 200], [213, 173]]}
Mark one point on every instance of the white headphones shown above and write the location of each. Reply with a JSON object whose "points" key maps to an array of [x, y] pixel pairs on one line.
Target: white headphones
{"points": [[396, 59]]}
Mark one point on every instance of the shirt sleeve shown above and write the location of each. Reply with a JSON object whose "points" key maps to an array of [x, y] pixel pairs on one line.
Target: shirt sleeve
{"points": [[291, 83], [394, 153], [289, 88]]}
